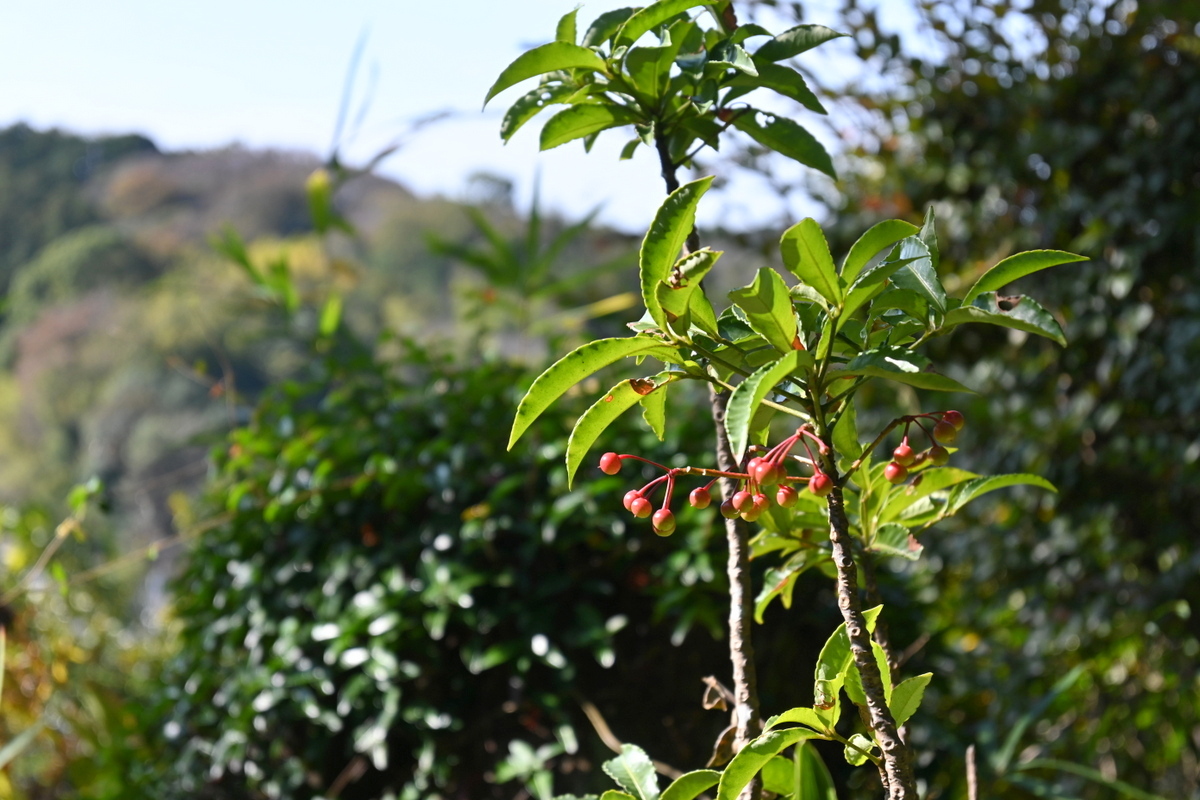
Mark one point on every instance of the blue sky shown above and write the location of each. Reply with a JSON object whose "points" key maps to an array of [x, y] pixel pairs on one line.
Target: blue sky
{"points": [[271, 74]]}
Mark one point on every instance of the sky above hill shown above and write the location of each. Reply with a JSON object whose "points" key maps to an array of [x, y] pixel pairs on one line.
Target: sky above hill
{"points": [[273, 74]]}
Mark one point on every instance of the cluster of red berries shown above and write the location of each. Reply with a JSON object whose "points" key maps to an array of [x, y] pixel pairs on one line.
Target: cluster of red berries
{"points": [[944, 431], [763, 473], [769, 470]]}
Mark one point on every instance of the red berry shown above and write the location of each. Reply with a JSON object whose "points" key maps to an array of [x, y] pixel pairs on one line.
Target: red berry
{"points": [[641, 507], [743, 500], [700, 498], [787, 496], [753, 464], [904, 455], [938, 455], [895, 473], [945, 432], [727, 510], [761, 503], [955, 418], [610, 463], [820, 484], [630, 496], [664, 522], [765, 473]]}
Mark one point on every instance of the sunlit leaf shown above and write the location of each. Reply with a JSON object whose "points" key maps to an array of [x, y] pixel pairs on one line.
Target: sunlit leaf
{"points": [[906, 697], [768, 308], [806, 255], [786, 138], [664, 241], [578, 122], [1017, 266], [547, 58], [751, 758], [634, 772], [795, 41]]}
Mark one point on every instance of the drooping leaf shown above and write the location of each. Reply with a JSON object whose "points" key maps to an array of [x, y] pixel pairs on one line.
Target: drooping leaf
{"points": [[603, 413], [1017, 266], [530, 105], [967, 491], [652, 16], [857, 748], [893, 539], [654, 411], [781, 80], [577, 365], [634, 772], [660, 249], [877, 238], [795, 41], [547, 58], [751, 758], [806, 255], [845, 434], [812, 779], [578, 122], [728, 54], [751, 392], [1021, 313], [906, 697], [691, 784], [786, 138], [900, 365], [768, 308], [565, 31], [781, 581]]}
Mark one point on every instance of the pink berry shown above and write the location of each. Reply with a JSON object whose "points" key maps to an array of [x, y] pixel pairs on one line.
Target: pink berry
{"points": [[955, 418], [787, 496], [761, 503], [641, 508], [820, 484], [610, 463], [765, 473], [664, 522], [743, 500], [630, 496], [904, 455], [895, 473], [700, 498]]}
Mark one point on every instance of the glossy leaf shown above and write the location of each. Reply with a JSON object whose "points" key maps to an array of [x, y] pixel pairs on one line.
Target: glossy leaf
{"points": [[878, 237], [806, 255], [933, 479], [795, 41], [893, 539], [811, 777], [578, 122], [854, 687], [781, 80], [602, 413], [652, 16], [634, 772], [547, 58], [768, 309], [834, 661], [786, 138], [666, 237], [1017, 266], [574, 367], [857, 748], [565, 31], [799, 716], [654, 411], [731, 55], [1020, 313], [965, 492], [675, 294], [530, 105], [920, 275], [650, 68], [750, 393], [845, 434], [777, 776], [751, 758], [691, 784], [902, 366], [606, 25], [613, 794], [906, 697]]}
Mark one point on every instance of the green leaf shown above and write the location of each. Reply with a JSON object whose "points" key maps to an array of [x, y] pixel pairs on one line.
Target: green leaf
{"points": [[613, 794], [666, 237], [654, 411], [731, 55], [605, 26], [578, 122], [834, 661], [768, 308], [652, 16], [750, 393], [967, 491], [857, 748], [782, 80], [877, 238], [565, 32], [854, 687], [812, 779], [634, 772], [751, 758], [603, 413], [806, 255], [906, 697], [577, 365], [800, 716], [845, 434], [701, 313], [920, 275], [675, 293], [778, 776], [331, 315], [933, 479], [781, 581], [650, 68], [530, 105], [795, 41], [900, 365], [1020, 313], [892, 539], [689, 785], [547, 58], [786, 138], [1018, 266]]}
